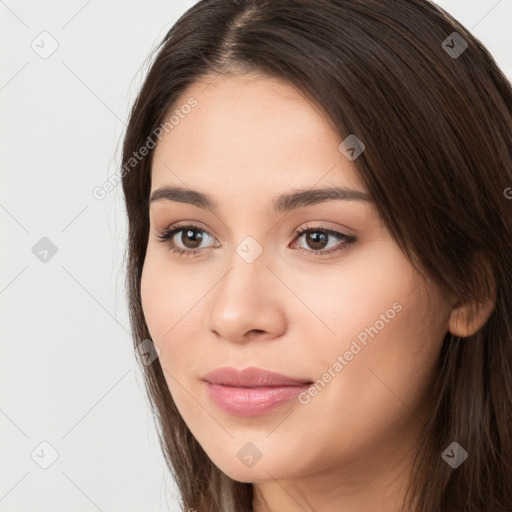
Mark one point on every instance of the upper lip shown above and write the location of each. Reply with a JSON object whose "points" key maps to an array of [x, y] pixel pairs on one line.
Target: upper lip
{"points": [[251, 377]]}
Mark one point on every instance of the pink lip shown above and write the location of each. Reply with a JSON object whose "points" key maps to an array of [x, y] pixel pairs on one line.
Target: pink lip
{"points": [[252, 391]]}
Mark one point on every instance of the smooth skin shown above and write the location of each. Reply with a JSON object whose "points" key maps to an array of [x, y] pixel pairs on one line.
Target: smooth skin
{"points": [[292, 310]]}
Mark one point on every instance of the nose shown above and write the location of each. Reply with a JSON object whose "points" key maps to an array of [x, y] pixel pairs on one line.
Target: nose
{"points": [[247, 302]]}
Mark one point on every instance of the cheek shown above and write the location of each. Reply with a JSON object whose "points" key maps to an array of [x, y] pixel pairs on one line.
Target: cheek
{"points": [[155, 298], [384, 338], [170, 302], [372, 292]]}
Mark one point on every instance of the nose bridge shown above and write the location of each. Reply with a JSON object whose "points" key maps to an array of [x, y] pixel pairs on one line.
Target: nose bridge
{"points": [[241, 300], [247, 268]]}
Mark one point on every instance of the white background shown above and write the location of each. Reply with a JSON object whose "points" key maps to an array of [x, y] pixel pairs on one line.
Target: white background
{"points": [[68, 373]]}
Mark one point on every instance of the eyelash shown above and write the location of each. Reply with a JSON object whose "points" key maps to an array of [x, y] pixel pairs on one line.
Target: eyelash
{"points": [[166, 236]]}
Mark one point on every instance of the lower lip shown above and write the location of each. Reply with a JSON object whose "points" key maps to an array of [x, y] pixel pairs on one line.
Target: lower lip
{"points": [[252, 401]]}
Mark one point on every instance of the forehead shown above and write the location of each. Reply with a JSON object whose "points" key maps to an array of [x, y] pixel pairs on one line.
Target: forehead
{"points": [[252, 132]]}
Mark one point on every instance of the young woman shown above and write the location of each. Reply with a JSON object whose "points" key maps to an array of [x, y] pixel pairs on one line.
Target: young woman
{"points": [[319, 198]]}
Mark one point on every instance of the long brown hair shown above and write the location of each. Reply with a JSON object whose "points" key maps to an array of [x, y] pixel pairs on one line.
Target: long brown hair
{"points": [[435, 114]]}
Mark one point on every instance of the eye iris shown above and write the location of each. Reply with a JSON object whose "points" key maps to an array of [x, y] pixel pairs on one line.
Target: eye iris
{"points": [[188, 234], [314, 238]]}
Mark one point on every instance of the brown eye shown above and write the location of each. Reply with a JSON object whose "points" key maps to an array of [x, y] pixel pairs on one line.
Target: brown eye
{"points": [[184, 239], [191, 238], [317, 240]]}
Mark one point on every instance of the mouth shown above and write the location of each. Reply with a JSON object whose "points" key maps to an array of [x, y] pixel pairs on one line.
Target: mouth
{"points": [[252, 391]]}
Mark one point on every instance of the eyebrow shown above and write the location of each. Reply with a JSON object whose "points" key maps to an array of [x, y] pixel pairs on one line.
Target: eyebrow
{"points": [[281, 204]]}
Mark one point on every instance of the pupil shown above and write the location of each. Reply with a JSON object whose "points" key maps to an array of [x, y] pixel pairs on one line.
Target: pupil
{"points": [[317, 237], [190, 233]]}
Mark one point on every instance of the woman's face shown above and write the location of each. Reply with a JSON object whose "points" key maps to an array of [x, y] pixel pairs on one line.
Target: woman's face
{"points": [[248, 292]]}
